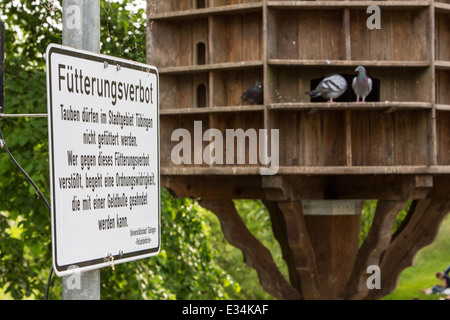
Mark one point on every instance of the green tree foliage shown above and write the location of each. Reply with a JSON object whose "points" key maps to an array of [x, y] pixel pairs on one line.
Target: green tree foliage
{"points": [[185, 269], [257, 219]]}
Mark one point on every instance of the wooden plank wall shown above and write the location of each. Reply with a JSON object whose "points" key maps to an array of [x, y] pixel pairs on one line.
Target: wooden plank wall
{"points": [[294, 39], [387, 139], [237, 38], [442, 22], [443, 137], [377, 138], [311, 139], [218, 3], [402, 37], [174, 122], [443, 87], [289, 58], [229, 85], [221, 121], [181, 36]]}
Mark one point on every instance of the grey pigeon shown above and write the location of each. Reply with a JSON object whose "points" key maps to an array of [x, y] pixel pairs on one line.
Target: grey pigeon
{"points": [[255, 94], [331, 87], [362, 84]]}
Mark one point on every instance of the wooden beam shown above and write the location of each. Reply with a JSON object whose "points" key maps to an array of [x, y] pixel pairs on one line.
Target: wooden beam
{"points": [[347, 34], [319, 250], [285, 188], [213, 187], [303, 268], [441, 187], [256, 254], [419, 229], [307, 170], [335, 243], [373, 247], [344, 187]]}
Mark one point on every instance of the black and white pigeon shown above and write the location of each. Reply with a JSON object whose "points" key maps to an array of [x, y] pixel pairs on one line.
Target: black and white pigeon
{"points": [[362, 84], [331, 87], [255, 94]]}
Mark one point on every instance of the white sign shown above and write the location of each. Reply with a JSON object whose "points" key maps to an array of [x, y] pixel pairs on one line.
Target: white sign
{"points": [[104, 159]]}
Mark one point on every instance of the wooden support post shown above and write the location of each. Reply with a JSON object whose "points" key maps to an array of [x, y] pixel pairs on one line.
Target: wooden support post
{"points": [[319, 250], [304, 275], [335, 244], [373, 247]]}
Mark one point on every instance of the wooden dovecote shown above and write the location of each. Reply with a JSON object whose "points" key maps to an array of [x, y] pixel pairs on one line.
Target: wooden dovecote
{"points": [[396, 147]]}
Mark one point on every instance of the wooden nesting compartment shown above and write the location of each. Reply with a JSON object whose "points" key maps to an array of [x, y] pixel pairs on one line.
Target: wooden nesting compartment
{"points": [[303, 34], [180, 44], [173, 6], [184, 91], [184, 121], [311, 140], [200, 140], [442, 75], [389, 139], [246, 151], [228, 86], [402, 37], [442, 22], [209, 52], [400, 84], [218, 3], [443, 137], [236, 38]]}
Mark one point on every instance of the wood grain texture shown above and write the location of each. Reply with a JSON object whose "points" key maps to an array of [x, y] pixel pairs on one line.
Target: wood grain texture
{"points": [[303, 271], [370, 253]]}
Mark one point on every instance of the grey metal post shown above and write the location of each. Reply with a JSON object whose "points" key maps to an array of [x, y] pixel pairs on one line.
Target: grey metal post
{"points": [[81, 30]]}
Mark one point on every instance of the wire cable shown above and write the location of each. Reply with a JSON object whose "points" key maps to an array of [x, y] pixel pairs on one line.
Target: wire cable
{"points": [[48, 283], [5, 147]]}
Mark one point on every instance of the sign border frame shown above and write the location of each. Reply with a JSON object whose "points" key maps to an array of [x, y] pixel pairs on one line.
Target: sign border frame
{"points": [[89, 265]]}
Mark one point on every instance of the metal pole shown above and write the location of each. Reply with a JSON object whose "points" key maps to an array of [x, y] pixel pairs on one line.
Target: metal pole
{"points": [[81, 30]]}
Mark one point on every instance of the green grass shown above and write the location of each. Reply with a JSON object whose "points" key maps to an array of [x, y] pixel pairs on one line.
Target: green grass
{"points": [[435, 257]]}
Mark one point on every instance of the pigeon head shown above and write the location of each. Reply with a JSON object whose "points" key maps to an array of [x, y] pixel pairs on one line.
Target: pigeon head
{"points": [[257, 86], [361, 69], [255, 93]]}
